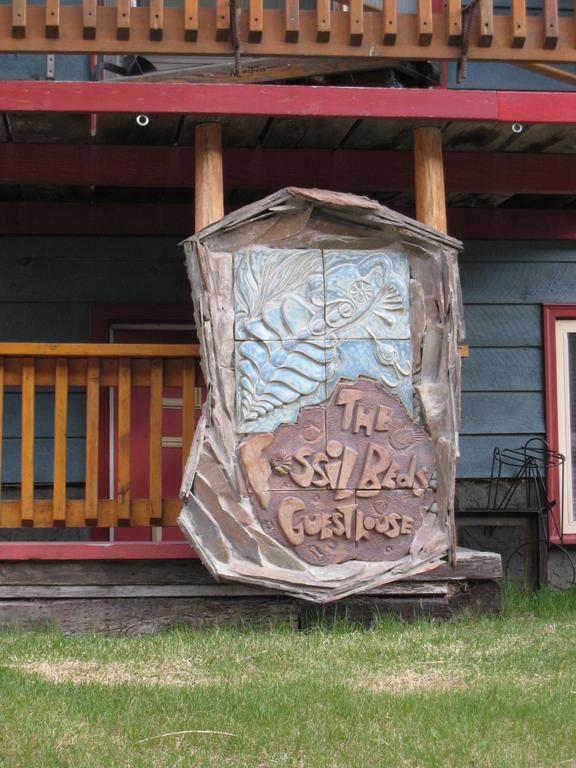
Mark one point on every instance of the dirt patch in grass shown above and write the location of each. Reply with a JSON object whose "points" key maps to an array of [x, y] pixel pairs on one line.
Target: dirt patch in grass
{"points": [[79, 672], [413, 680]]}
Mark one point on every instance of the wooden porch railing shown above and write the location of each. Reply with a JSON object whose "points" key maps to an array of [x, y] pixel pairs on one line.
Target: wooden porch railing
{"points": [[356, 29], [94, 368]]}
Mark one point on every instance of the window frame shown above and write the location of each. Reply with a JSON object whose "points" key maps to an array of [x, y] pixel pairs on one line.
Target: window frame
{"points": [[555, 371]]}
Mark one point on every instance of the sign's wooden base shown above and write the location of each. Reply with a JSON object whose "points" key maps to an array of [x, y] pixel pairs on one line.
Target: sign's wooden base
{"points": [[142, 596]]}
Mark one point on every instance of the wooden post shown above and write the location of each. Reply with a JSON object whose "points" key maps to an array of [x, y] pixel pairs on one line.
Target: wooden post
{"points": [[429, 180], [209, 189], [431, 210]]}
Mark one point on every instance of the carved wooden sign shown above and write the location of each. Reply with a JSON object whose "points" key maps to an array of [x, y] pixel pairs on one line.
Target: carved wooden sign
{"points": [[348, 482], [324, 460]]}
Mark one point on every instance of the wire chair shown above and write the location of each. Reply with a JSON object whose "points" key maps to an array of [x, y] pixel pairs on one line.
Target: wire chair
{"points": [[518, 480]]}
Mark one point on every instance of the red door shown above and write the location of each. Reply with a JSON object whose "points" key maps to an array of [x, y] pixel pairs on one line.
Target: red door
{"points": [[145, 333]]}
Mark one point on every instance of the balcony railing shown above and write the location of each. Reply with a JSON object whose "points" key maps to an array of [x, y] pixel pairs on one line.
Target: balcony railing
{"points": [[376, 30], [95, 375]]}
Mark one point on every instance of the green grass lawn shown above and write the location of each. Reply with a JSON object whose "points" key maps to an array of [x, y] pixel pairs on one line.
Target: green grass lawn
{"points": [[468, 693]]}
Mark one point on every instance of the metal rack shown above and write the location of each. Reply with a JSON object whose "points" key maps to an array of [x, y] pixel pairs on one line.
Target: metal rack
{"points": [[518, 483]]}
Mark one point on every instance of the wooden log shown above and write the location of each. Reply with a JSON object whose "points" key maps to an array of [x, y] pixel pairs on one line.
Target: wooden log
{"points": [[89, 19], [155, 490], [191, 20], [52, 29], [123, 9], [429, 178], [19, 14], [255, 20], [135, 616], [124, 441], [390, 21], [356, 20], [292, 20], [224, 589], [27, 443], [472, 566], [518, 23], [454, 22], [425, 24], [323, 21], [92, 438], [209, 185], [550, 24], [156, 19], [60, 433]]}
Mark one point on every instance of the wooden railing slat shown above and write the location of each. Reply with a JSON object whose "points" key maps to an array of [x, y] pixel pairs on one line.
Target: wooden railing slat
{"points": [[95, 372], [156, 19], [550, 23], [518, 23], [356, 15], [27, 443], [156, 398], [191, 20], [454, 22], [89, 19], [486, 23], [292, 20], [52, 18], [390, 21], [60, 431], [123, 9], [255, 20], [124, 440], [323, 21], [188, 407], [92, 440], [18, 18], [425, 28], [222, 20]]}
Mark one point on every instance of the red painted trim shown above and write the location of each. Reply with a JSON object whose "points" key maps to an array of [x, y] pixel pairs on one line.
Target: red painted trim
{"points": [[287, 100], [103, 315], [139, 219], [551, 314], [260, 169], [52, 550]]}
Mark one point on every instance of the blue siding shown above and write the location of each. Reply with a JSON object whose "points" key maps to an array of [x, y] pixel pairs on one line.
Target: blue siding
{"points": [[47, 287], [48, 284], [504, 285]]}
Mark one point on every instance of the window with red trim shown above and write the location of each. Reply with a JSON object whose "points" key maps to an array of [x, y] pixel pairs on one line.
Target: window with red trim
{"points": [[560, 357]]}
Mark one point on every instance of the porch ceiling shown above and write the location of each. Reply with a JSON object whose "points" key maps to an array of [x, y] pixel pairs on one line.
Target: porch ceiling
{"points": [[100, 161]]}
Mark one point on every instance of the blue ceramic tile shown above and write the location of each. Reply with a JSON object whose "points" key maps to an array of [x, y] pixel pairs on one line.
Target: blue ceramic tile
{"points": [[367, 294], [278, 294], [386, 361], [275, 379]]}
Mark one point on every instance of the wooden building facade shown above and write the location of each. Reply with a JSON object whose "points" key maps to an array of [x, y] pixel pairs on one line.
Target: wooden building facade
{"points": [[99, 181]]}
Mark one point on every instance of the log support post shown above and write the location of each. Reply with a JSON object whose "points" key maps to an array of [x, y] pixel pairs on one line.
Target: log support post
{"points": [[429, 178], [209, 184], [431, 210]]}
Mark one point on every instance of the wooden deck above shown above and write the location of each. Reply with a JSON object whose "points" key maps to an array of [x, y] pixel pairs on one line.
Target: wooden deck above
{"points": [[289, 31]]}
